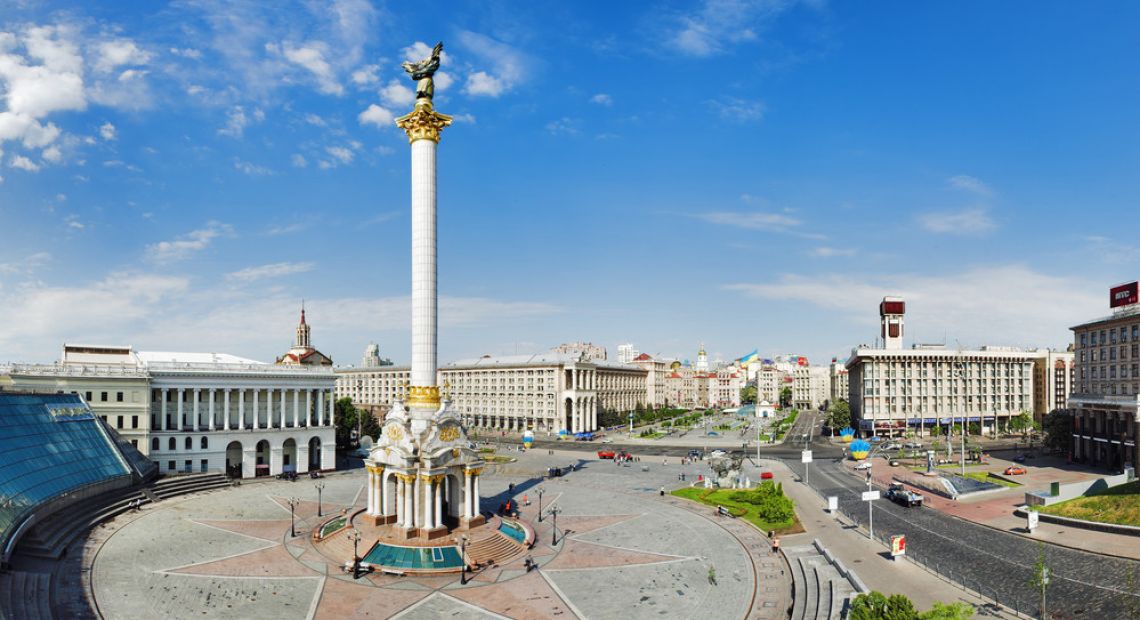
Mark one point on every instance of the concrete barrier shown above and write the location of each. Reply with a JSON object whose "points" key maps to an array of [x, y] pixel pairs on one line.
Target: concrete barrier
{"points": [[1112, 528], [1074, 490]]}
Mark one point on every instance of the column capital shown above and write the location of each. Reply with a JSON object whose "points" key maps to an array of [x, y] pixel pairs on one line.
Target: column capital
{"points": [[423, 123], [474, 471]]}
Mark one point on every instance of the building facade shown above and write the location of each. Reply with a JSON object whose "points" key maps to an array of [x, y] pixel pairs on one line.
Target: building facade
{"points": [[656, 371], [811, 387], [1106, 400], [839, 383], [1054, 377], [626, 353], [373, 389], [578, 349]]}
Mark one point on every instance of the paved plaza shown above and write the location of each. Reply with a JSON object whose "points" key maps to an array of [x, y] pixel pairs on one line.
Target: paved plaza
{"points": [[623, 552]]}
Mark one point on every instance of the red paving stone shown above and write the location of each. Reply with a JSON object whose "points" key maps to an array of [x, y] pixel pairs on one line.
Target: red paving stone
{"points": [[526, 598], [271, 562], [265, 530], [578, 554], [341, 599]]}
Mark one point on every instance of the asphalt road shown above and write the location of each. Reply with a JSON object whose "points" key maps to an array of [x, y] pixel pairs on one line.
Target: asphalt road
{"points": [[998, 564]]}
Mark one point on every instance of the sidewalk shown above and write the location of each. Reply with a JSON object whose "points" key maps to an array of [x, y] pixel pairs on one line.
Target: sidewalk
{"points": [[869, 560]]}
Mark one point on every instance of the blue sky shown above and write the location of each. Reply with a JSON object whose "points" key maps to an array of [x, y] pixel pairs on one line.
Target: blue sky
{"points": [[744, 174]]}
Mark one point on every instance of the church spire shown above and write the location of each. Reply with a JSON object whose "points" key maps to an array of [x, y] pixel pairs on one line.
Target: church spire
{"points": [[303, 331]]}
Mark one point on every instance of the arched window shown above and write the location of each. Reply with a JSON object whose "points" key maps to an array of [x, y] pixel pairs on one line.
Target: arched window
{"points": [[205, 443], [173, 446], [189, 443], [154, 444]]}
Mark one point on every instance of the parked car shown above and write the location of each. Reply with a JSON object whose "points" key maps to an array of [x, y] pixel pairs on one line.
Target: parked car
{"points": [[900, 495], [606, 454], [607, 440], [1014, 470], [893, 463], [716, 453], [766, 475], [863, 465], [1020, 458], [891, 446], [913, 445], [696, 454]]}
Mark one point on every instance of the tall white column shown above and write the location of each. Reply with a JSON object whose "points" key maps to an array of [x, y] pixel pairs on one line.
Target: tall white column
{"points": [[438, 521], [371, 491], [180, 422], [308, 407], [475, 496], [256, 407], [399, 501], [424, 300], [197, 399], [320, 407], [162, 409], [226, 409], [296, 406], [410, 503], [211, 408], [269, 408], [466, 496], [241, 409], [426, 514]]}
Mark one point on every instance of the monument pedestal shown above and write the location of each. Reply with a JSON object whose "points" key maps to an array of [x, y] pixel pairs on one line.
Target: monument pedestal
{"points": [[404, 533], [468, 523], [434, 533], [380, 519]]}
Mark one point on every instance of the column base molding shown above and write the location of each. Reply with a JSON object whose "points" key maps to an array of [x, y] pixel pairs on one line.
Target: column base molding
{"points": [[404, 533], [434, 533], [466, 523], [379, 519]]}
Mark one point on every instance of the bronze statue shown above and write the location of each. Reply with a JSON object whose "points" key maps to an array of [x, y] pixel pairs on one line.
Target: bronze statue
{"points": [[422, 71]]}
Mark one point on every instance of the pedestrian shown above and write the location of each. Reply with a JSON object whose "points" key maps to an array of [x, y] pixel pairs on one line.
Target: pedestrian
{"points": [[662, 491]]}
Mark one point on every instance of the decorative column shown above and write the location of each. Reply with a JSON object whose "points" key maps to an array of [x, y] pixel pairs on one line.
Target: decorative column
{"points": [[467, 493], [399, 500], [226, 409], [197, 399], [241, 409], [409, 501], [438, 501], [256, 408], [181, 422], [320, 407], [296, 406], [423, 126], [211, 408], [426, 513], [162, 409], [308, 407], [475, 495]]}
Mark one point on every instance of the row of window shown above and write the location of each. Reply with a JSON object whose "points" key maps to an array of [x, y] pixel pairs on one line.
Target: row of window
{"points": [[103, 397], [1109, 336], [172, 444], [1109, 372]]}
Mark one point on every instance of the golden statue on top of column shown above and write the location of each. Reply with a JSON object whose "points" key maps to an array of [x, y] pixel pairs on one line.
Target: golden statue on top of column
{"points": [[422, 71]]}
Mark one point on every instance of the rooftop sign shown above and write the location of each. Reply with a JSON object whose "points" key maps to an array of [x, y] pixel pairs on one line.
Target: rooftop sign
{"points": [[1124, 295]]}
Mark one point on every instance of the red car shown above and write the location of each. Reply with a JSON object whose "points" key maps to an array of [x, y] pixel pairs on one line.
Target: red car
{"points": [[1014, 471], [767, 475], [606, 454]]}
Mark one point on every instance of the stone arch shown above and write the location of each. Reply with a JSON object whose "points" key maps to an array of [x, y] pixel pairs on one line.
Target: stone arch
{"points": [[172, 444], [205, 443], [154, 444], [261, 453], [234, 459], [389, 483], [314, 453], [189, 443], [289, 455]]}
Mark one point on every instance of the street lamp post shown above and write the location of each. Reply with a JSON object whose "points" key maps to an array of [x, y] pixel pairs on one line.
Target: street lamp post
{"points": [[320, 487], [540, 491], [292, 501], [554, 530], [355, 535], [870, 512], [463, 559]]}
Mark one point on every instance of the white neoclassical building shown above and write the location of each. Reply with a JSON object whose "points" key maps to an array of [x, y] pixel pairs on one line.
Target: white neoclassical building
{"points": [[219, 412]]}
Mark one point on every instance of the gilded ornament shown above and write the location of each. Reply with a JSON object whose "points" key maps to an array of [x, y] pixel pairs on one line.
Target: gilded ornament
{"points": [[423, 123], [423, 395], [394, 432], [449, 433]]}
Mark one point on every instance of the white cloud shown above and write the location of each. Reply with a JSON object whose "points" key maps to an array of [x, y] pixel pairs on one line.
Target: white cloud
{"points": [[366, 75], [970, 184], [737, 110], [342, 154], [186, 52], [508, 65], [107, 130], [73, 222], [968, 221], [752, 221], [397, 94], [313, 119], [999, 304], [116, 53], [378, 116], [188, 244], [714, 25], [47, 78], [564, 126], [27, 130], [23, 163], [602, 99], [274, 270], [27, 265], [312, 57], [464, 118], [251, 169], [52, 154], [830, 252], [237, 121], [299, 160]]}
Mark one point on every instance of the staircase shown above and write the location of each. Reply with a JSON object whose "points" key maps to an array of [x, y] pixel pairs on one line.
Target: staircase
{"points": [[821, 592], [173, 486], [26, 596], [496, 548]]}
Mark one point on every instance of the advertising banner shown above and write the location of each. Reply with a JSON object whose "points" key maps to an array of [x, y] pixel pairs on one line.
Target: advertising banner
{"points": [[898, 545], [1124, 295]]}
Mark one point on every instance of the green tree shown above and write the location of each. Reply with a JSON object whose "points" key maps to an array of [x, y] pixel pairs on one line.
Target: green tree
{"points": [[748, 394], [839, 414], [607, 418], [875, 605], [346, 416], [1021, 423], [1042, 576], [1058, 427], [948, 611], [785, 397]]}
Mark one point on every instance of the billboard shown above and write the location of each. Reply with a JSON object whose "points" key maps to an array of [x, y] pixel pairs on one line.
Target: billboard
{"points": [[1124, 295], [894, 306]]}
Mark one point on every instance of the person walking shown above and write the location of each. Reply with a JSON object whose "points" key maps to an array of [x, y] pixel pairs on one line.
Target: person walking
{"points": [[662, 491]]}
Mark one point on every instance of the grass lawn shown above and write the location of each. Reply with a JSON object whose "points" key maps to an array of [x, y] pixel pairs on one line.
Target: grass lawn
{"points": [[720, 497], [982, 476], [1120, 504], [497, 458], [652, 436]]}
